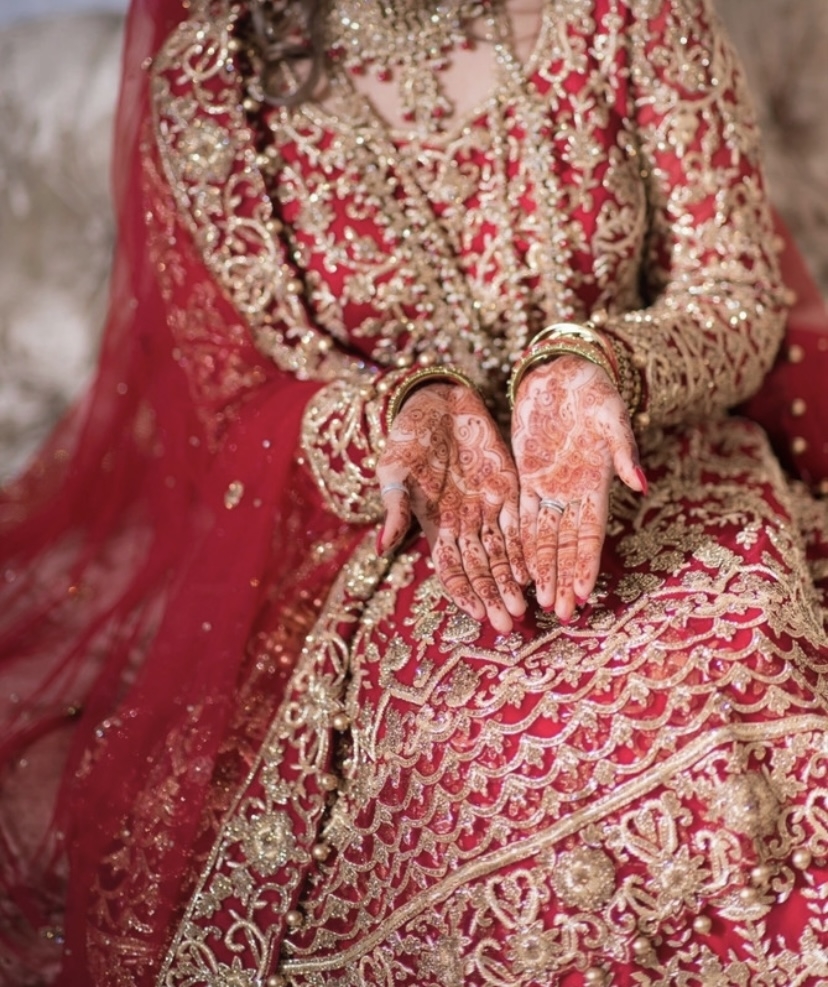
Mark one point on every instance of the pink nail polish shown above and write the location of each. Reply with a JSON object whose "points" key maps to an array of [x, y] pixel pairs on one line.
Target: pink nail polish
{"points": [[380, 533], [642, 479], [582, 600]]}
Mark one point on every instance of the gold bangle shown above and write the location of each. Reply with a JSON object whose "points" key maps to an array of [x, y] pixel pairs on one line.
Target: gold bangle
{"points": [[587, 333], [626, 367], [415, 379], [631, 383], [545, 351]]}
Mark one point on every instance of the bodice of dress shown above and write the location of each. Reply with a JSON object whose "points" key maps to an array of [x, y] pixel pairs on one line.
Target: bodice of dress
{"points": [[506, 221], [615, 176]]}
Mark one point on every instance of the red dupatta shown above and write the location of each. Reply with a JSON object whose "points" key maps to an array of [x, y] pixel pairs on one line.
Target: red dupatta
{"points": [[792, 405], [141, 552]]}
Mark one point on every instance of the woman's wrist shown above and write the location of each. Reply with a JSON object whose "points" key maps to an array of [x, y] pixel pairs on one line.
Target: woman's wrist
{"points": [[547, 347], [592, 344], [419, 377]]}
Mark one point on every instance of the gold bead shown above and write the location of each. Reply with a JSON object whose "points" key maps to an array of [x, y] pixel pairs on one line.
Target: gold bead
{"points": [[294, 919], [293, 286], [748, 896], [760, 875], [799, 445], [641, 945], [801, 858], [642, 420], [798, 408], [234, 44], [702, 925], [796, 354], [275, 980], [594, 976], [250, 104], [328, 782], [639, 361], [320, 852], [341, 721]]}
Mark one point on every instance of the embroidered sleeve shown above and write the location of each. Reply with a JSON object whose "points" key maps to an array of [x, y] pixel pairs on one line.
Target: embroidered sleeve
{"points": [[208, 163], [716, 315], [343, 431]]}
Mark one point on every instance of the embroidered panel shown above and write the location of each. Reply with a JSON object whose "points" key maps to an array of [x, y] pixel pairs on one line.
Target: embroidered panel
{"points": [[641, 792]]}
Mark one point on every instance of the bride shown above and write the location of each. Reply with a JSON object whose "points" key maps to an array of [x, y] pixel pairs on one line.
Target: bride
{"points": [[404, 605]]}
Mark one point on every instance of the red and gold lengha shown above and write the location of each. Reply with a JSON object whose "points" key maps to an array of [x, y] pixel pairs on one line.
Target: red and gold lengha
{"points": [[296, 762]]}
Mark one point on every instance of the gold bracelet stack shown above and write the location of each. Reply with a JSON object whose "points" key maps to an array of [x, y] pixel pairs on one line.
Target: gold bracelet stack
{"points": [[586, 341], [632, 385], [586, 333], [417, 377], [557, 340]]}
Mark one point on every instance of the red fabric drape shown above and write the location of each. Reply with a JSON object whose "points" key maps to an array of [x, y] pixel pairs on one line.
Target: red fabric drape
{"points": [[792, 405], [139, 551]]}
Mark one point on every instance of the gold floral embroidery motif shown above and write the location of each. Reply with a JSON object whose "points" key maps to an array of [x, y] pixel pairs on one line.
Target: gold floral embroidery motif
{"points": [[209, 163], [594, 796]]}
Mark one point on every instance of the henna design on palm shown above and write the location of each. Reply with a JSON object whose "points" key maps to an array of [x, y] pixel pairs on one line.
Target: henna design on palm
{"points": [[570, 435], [461, 483]]}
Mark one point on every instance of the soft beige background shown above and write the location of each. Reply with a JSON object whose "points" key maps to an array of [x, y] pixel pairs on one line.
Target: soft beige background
{"points": [[57, 88]]}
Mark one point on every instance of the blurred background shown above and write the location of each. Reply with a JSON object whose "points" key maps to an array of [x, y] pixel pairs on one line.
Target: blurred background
{"points": [[16, 10], [58, 82]]}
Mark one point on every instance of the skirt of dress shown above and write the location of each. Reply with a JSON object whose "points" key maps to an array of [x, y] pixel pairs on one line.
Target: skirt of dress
{"points": [[640, 797]]}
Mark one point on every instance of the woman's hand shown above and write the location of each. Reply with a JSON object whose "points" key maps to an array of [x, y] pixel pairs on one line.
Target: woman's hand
{"points": [[446, 462], [570, 434]]}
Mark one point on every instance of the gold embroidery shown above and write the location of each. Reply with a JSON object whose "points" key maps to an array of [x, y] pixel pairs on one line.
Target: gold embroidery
{"points": [[589, 795], [584, 878], [210, 166], [209, 347], [487, 801], [342, 430], [272, 825], [618, 858], [687, 97], [449, 248]]}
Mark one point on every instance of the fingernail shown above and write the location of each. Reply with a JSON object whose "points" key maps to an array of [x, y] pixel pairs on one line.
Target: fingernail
{"points": [[380, 534], [582, 600], [642, 479], [566, 621]]}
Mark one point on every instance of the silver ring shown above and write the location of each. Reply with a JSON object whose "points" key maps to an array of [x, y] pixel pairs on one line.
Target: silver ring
{"points": [[553, 505], [391, 487]]}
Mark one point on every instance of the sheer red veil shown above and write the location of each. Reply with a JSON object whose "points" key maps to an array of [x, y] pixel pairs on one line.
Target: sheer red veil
{"points": [[138, 559]]}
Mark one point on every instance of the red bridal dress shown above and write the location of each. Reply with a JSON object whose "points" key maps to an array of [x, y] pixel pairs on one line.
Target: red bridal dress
{"points": [[242, 750]]}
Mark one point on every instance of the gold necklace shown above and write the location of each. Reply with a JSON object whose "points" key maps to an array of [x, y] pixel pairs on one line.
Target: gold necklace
{"points": [[407, 40]]}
